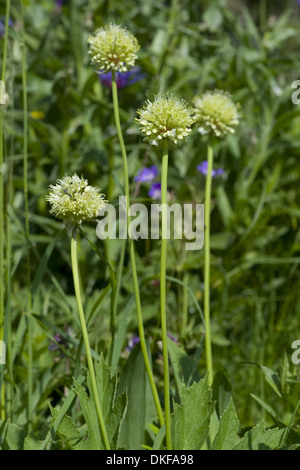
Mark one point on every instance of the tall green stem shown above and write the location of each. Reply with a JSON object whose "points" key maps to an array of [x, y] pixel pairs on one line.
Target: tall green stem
{"points": [[86, 339], [163, 297], [2, 210], [207, 264], [27, 230], [132, 255]]}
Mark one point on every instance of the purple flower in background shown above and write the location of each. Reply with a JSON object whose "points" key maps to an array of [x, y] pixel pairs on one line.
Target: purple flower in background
{"points": [[60, 3], [54, 345], [203, 169], [2, 26], [155, 191], [175, 340], [132, 342], [146, 175], [123, 79]]}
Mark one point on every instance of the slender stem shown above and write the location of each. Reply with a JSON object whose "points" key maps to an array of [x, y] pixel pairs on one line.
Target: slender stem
{"points": [[27, 230], [2, 211], [132, 255], [207, 264], [185, 306], [163, 297], [86, 339]]}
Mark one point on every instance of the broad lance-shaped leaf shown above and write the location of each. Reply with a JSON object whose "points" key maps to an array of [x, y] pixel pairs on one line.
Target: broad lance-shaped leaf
{"points": [[190, 420], [226, 437], [75, 439], [141, 408], [259, 438], [114, 409], [183, 366]]}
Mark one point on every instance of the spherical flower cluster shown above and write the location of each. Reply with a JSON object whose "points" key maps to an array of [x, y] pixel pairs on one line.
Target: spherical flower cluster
{"points": [[166, 120], [216, 113], [74, 201], [113, 48]]}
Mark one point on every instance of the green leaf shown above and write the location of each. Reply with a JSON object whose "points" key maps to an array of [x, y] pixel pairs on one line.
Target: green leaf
{"points": [[59, 415], [141, 409], [31, 443], [190, 420], [93, 436], [126, 316], [225, 209], [258, 438], [226, 437], [113, 410], [271, 378], [267, 407], [12, 436], [157, 444], [222, 392], [73, 438], [183, 366]]}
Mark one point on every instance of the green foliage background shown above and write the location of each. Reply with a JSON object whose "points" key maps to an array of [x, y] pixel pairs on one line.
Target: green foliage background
{"points": [[250, 49]]}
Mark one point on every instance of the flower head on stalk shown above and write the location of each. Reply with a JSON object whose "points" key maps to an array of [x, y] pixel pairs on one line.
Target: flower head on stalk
{"points": [[166, 120], [113, 48], [74, 201], [216, 113]]}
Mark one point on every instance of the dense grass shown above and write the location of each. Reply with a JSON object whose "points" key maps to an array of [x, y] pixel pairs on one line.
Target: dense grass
{"points": [[59, 119]]}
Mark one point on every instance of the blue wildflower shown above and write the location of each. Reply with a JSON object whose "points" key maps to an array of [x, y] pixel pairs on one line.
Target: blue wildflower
{"points": [[54, 344], [2, 26], [173, 338], [203, 169], [60, 3], [123, 79], [155, 191], [132, 342], [146, 175]]}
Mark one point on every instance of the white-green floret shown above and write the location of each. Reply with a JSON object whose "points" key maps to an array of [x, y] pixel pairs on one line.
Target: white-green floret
{"points": [[74, 201], [165, 120], [113, 48], [216, 113]]}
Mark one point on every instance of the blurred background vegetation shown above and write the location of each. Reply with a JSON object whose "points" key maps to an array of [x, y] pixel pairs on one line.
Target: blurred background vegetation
{"points": [[249, 48]]}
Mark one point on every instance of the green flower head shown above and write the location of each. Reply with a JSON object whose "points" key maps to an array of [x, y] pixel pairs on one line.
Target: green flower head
{"points": [[113, 48], [74, 201], [166, 120], [216, 113]]}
